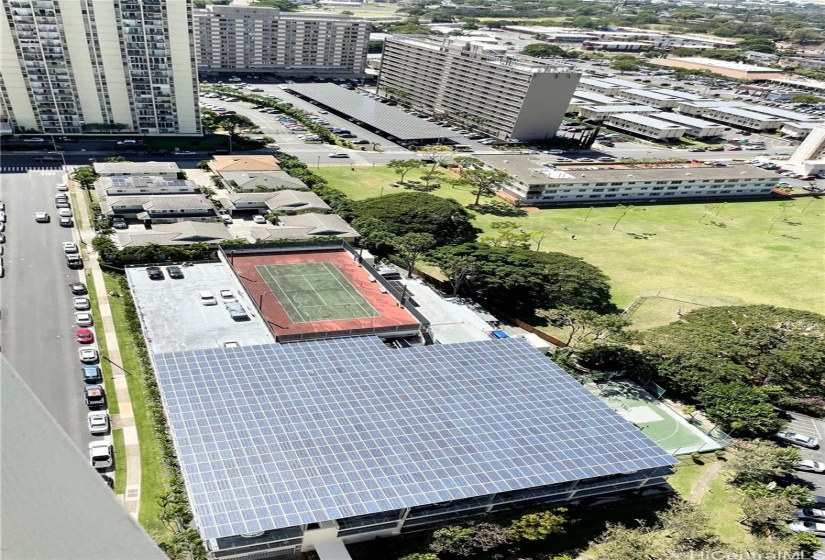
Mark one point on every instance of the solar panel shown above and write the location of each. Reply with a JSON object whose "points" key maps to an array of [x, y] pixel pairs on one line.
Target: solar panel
{"points": [[279, 435]]}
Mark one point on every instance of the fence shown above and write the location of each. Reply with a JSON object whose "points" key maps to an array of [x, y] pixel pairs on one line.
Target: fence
{"points": [[531, 329], [706, 302]]}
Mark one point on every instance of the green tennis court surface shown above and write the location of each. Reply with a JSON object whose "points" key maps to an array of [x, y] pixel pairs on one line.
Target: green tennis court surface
{"points": [[311, 292], [668, 429]]}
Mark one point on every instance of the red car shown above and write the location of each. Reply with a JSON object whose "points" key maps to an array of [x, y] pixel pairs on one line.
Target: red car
{"points": [[734, 148], [84, 336]]}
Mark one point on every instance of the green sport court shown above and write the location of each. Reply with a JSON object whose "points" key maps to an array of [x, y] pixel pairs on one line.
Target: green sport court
{"points": [[316, 291], [656, 420]]}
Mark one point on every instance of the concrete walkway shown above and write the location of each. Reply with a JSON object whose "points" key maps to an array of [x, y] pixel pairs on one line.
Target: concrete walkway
{"points": [[125, 420]]}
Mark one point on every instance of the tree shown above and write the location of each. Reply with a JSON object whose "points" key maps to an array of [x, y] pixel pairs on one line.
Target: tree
{"points": [[537, 526], [625, 63], [624, 211], [508, 234], [466, 541], [521, 280], [687, 526], [410, 247], [414, 212], [420, 556], [403, 166], [456, 268], [757, 345], [806, 98], [85, 175], [233, 124], [484, 181], [760, 461], [622, 543], [758, 44], [544, 50], [765, 513], [806, 36], [540, 235], [741, 409], [586, 327], [116, 159], [438, 154]]}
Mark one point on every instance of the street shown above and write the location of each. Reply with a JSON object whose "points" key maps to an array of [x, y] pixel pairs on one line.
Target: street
{"points": [[37, 325]]}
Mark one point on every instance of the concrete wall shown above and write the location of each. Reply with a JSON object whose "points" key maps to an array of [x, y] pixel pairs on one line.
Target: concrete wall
{"points": [[544, 105]]}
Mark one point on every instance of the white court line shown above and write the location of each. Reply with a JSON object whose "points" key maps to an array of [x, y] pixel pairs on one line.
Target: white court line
{"points": [[350, 295]]}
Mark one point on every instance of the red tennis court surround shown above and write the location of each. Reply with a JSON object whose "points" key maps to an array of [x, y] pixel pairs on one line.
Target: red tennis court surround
{"points": [[392, 318]]}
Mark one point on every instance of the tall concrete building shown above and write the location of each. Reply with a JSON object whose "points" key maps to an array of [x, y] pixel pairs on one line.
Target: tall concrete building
{"points": [[248, 39], [73, 66], [506, 96]]}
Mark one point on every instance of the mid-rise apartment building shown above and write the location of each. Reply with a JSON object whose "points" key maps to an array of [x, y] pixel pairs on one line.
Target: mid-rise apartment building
{"points": [[506, 96], [70, 66], [536, 185], [249, 39]]}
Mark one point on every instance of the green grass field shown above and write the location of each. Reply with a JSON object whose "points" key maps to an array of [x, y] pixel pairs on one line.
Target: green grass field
{"points": [[316, 291], [748, 252]]}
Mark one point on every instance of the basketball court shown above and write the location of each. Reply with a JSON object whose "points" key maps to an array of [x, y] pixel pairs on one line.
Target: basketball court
{"points": [[656, 420], [319, 293]]}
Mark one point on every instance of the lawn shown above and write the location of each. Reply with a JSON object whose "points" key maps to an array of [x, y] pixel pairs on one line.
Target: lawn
{"points": [[748, 252], [153, 472]]}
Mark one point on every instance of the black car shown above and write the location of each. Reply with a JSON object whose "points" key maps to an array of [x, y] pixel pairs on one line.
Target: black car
{"points": [[155, 273], [78, 288], [174, 272]]}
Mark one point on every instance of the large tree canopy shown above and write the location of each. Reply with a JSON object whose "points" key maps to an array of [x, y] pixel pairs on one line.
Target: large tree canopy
{"points": [[414, 212], [521, 280], [758, 345]]}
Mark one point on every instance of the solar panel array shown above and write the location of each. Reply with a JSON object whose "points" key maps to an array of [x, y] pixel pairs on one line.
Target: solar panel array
{"points": [[279, 435], [391, 120]]}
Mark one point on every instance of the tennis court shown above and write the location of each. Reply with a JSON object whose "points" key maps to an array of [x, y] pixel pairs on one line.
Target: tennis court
{"points": [[657, 421], [315, 291]]}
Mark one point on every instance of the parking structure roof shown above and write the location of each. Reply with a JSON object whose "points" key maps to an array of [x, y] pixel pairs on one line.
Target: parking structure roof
{"points": [[389, 120]]}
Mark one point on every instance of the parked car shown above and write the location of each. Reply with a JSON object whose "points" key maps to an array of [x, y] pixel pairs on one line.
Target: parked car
{"points": [[70, 247], [236, 311], [83, 319], [62, 187], [207, 298], [98, 422], [118, 222], [807, 527], [810, 466], [815, 514], [258, 219], [95, 396], [799, 439], [81, 303], [84, 336], [154, 273], [65, 221], [174, 272], [87, 355], [100, 454], [91, 373], [227, 296], [78, 288], [73, 260]]}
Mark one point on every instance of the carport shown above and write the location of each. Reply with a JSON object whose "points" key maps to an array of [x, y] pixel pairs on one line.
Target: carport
{"points": [[393, 122]]}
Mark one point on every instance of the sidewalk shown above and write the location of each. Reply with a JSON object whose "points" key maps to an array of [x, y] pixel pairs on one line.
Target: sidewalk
{"points": [[125, 420]]}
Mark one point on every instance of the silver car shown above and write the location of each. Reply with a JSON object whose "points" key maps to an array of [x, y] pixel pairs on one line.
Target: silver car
{"points": [[799, 439]]}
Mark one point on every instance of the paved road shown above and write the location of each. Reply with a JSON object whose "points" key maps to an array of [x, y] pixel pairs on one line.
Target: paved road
{"points": [[37, 325]]}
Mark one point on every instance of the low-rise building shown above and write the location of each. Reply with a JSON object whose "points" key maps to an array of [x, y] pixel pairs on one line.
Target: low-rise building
{"points": [[159, 209], [792, 116], [179, 233], [251, 181], [535, 185], [168, 170], [306, 226], [797, 129], [649, 97], [137, 185], [700, 108], [599, 114], [245, 163], [697, 128], [745, 118], [602, 87], [597, 98], [646, 127], [286, 201], [737, 70], [616, 46]]}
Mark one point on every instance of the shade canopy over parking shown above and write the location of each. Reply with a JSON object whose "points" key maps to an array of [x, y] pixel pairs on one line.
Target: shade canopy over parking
{"points": [[388, 120]]}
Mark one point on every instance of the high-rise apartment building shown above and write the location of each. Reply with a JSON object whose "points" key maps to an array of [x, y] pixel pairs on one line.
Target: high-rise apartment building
{"points": [[73, 66], [507, 96], [247, 39], [809, 157]]}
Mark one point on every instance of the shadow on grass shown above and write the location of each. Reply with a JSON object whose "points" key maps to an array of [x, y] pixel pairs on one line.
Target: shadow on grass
{"points": [[498, 209], [420, 187]]}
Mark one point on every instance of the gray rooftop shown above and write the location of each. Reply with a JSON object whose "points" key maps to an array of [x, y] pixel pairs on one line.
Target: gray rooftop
{"points": [[390, 120], [623, 109], [679, 94], [174, 318], [136, 168], [685, 120], [269, 179], [184, 232], [648, 122], [280, 435], [713, 104], [596, 97], [746, 113], [649, 93], [529, 172], [784, 114]]}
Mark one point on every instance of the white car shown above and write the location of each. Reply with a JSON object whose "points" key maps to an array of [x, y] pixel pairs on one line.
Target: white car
{"points": [[83, 319], [227, 296], [98, 423], [810, 466], [100, 454], [70, 247], [82, 303], [87, 355], [258, 219], [65, 212], [807, 527], [207, 298], [62, 187], [41, 217], [339, 155], [811, 513], [2, 205]]}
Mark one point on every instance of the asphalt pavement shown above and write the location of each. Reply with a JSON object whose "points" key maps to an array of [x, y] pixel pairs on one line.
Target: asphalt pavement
{"points": [[37, 324]]}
